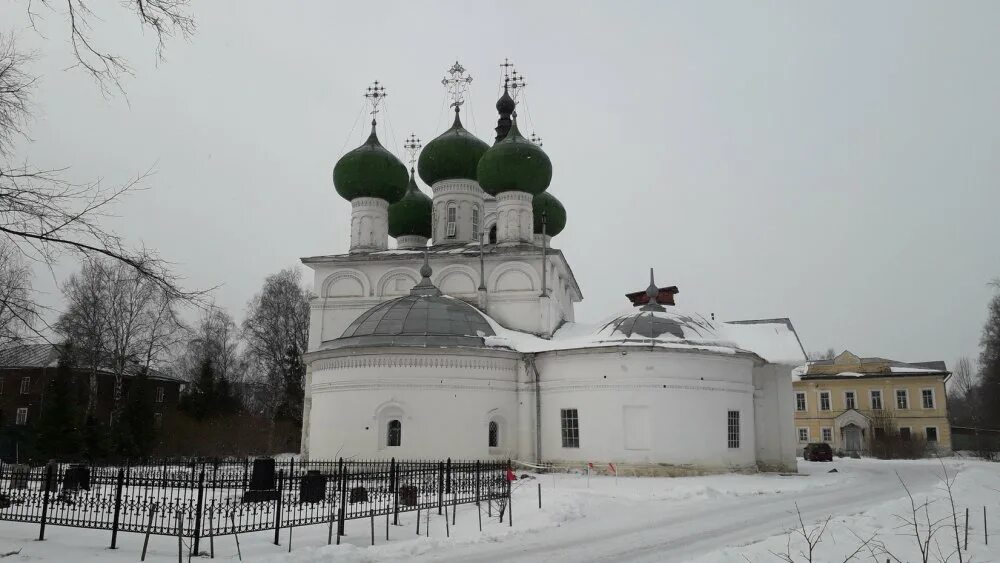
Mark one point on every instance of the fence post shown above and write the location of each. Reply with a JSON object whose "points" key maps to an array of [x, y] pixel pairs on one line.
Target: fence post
{"points": [[118, 507], [395, 492], [48, 483], [447, 486], [539, 496], [199, 508], [440, 486], [277, 511], [510, 497], [343, 501], [149, 529]]}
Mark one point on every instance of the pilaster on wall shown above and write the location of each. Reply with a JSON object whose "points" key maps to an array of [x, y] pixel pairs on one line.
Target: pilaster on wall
{"points": [[515, 222], [369, 224], [466, 197]]}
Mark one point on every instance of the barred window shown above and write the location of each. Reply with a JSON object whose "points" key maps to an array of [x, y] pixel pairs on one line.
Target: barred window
{"points": [[394, 435], [849, 400], [876, 397], [494, 434], [733, 433], [800, 402], [902, 400], [927, 395], [570, 428]]}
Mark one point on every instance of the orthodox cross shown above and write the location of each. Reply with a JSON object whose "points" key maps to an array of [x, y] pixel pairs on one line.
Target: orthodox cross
{"points": [[536, 139], [412, 145], [375, 94], [515, 83], [457, 83]]}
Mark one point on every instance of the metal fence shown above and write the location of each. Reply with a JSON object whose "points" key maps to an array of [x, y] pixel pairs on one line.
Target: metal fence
{"points": [[213, 498]]}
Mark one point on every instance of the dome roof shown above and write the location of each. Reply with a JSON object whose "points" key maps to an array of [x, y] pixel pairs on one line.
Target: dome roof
{"points": [[412, 214], [370, 171], [555, 214], [514, 164], [452, 155], [422, 318]]}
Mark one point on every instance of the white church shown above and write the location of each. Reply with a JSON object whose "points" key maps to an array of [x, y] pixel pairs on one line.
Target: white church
{"points": [[461, 341]]}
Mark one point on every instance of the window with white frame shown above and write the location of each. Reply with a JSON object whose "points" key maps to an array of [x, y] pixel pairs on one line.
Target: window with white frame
{"points": [[803, 434], [159, 394], [800, 402], [733, 429], [824, 400], [850, 400], [570, 422], [25, 385], [22, 416], [452, 219], [927, 398], [931, 433], [902, 399], [875, 395], [827, 434]]}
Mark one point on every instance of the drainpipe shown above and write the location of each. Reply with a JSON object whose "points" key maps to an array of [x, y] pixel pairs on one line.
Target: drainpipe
{"points": [[529, 361]]}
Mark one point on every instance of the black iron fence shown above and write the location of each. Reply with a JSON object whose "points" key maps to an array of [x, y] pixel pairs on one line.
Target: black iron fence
{"points": [[213, 498]]}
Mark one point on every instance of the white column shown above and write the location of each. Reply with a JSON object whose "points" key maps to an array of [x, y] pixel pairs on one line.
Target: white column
{"points": [[369, 224], [515, 222], [466, 197]]}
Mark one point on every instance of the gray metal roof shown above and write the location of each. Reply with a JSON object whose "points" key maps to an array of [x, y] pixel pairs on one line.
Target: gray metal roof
{"points": [[29, 356], [417, 320]]}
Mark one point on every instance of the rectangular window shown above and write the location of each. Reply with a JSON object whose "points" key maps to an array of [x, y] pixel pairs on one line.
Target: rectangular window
{"points": [[475, 224], [827, 434], [876, 399], [733, 433], [452, 216], [157, 421], [849, 401], [931, 432], [25, 385], [904, 433], [159, 394], [902, 399], [927, 397], [824, 400], [570, 428], [803, 434], [800, 402], [22, 416]]}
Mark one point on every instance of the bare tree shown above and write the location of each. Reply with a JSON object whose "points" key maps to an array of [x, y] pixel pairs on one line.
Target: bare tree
{"points": [[18, 312], [120, 320], [16, 88]]}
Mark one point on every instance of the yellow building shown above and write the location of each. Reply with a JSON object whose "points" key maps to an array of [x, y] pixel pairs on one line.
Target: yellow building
{"points": [[849, 401]]}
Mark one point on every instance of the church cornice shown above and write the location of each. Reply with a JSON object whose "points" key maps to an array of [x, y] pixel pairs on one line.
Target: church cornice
{"points": [[454, 358]]}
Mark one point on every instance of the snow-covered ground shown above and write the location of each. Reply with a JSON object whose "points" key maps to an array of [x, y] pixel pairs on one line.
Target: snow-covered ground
{"points": [[704, 519]]}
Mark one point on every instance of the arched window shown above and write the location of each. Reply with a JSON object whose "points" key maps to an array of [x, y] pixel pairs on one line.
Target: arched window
{"points": [[394, 433], [475, 223], [452, 227], [493, 234], [494, 434]]}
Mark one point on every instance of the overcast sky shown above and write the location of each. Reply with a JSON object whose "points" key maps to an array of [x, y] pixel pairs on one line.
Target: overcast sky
{"points": [[833, 163]]}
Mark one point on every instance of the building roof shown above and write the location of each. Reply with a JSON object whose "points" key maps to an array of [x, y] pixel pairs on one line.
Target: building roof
{"points": [[846, 365], [775, 340], [46, 355]]}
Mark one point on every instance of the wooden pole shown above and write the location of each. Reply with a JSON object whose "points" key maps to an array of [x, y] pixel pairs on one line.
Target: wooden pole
{"points": [[386, 526], [479, 509], [539, 496], [966, 529], [418, 521], [447, 527], [290, 538], [986, 533], [149, 527], [236, 537], [373, 526]]}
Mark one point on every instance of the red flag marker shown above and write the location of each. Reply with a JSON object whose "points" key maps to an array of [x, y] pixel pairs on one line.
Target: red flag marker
{"points": [[510, 475]]}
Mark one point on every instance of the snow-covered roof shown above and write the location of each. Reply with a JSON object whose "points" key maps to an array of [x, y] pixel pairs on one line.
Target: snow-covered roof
{"points": [[775, 340]]}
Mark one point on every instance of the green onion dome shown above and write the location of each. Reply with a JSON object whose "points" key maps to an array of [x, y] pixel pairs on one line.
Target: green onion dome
{"points": [[370, 171], [555, 214], [515, 164], [452, 155], [412, 214]]}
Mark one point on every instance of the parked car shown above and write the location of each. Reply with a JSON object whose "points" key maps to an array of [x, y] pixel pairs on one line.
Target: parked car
{"points": [[817, 452]]}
